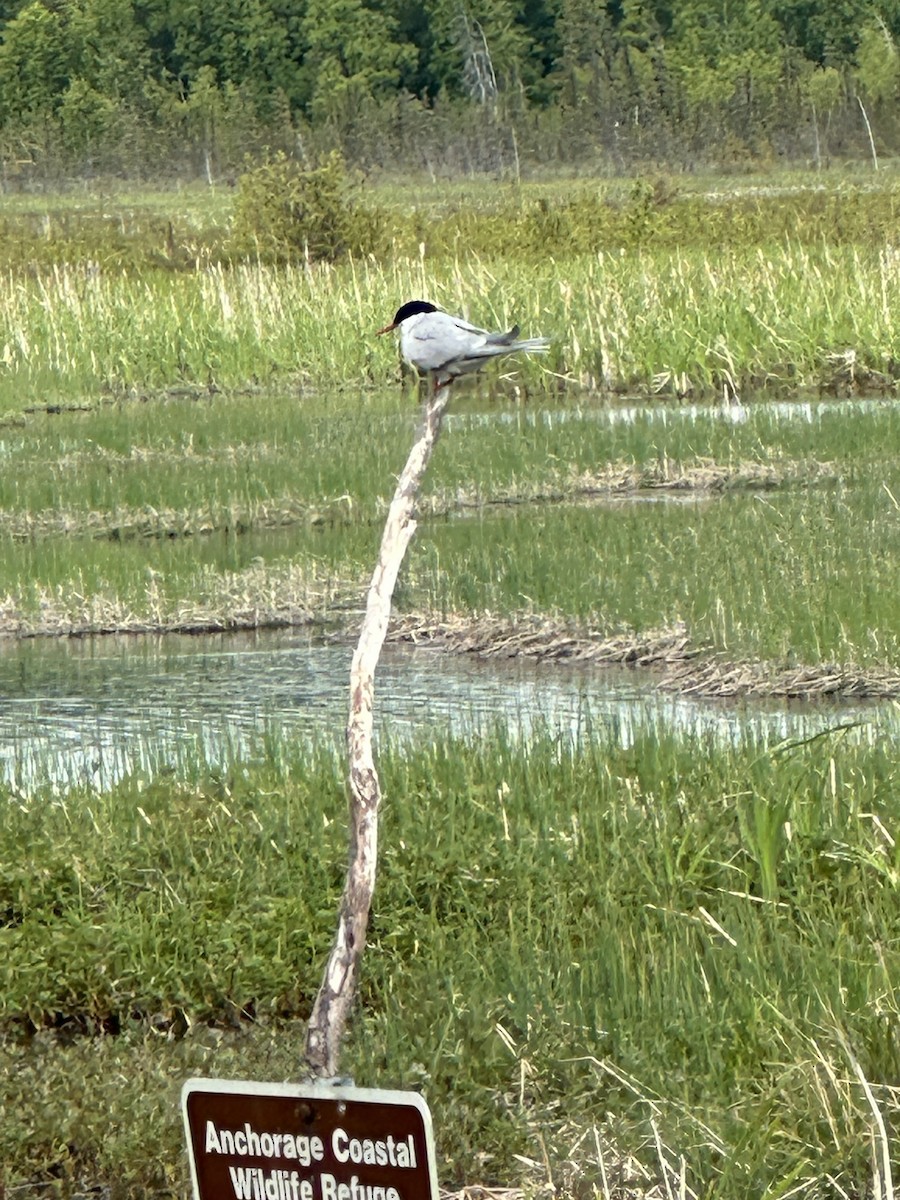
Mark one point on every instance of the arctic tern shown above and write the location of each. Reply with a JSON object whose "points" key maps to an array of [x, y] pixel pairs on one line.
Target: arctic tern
{"points": [[443, 347]]}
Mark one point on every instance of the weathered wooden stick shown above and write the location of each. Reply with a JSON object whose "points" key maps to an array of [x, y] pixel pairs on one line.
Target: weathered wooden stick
{"points": [[338, 987]]}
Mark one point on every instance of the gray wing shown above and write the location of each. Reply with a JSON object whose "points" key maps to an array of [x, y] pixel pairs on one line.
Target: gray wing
{"points": [[451, 346], [447, 340], [490, 339]]}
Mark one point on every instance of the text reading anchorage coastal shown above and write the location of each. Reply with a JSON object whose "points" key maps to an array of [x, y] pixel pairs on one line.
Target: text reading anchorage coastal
{"points": [[256, 1183]]}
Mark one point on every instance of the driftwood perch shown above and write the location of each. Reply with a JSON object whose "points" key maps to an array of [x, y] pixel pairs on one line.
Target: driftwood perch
{"points": [[338, 987]]}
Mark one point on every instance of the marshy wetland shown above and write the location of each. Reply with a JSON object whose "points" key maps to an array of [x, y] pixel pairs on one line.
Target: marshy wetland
{"points": [[644, 965]]}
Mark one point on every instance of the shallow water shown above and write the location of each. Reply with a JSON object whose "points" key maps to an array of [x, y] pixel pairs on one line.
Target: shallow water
{"points": [[89, 711], [629, 412]]}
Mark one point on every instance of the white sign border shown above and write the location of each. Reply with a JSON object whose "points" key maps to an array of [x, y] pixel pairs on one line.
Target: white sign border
{"points": [[308, 1091]]}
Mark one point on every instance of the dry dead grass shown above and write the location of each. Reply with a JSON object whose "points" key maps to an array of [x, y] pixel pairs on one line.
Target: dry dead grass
{"points": [[680, 665], [617, 481], [148, 522], [728, 680], [259, 597], [538, 638]]}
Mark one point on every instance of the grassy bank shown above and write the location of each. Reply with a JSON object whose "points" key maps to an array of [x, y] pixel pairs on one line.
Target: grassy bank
{"points": [[687, 285], [194, 226], [677, 954], [648, 312]]}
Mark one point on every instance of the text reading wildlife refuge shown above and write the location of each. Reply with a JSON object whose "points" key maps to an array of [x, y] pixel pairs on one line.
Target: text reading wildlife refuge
{"points": [[282, 1142]]}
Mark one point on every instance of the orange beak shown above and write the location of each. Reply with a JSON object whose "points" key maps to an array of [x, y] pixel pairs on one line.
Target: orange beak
{"points": [[387, 329]]}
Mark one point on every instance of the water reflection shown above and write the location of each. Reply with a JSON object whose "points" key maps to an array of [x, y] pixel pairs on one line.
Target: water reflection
{"points": [[623, 412], [88, 712]]}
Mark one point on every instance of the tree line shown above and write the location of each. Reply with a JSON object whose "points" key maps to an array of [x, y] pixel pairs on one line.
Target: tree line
{"points": [[182, 87]]}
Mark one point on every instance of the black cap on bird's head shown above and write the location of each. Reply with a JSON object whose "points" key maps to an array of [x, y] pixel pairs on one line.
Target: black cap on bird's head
{"points": [[410, 309]]}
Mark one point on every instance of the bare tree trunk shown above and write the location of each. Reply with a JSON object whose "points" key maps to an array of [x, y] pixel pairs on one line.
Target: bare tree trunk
{"points": [[338, 987], [869, 132]]}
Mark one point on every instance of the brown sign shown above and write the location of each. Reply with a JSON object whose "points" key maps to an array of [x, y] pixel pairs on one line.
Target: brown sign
{"points": [[277, 1141]]}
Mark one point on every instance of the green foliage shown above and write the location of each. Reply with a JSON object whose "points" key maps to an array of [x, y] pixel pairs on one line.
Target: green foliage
{"points": [[821, 87], [827, 31], [352, 53], [190, 89], [480, 51], [86, 117], [878, 63], [253, 47], [108, 46], [583, 30], [287, 213], [33, 63]]}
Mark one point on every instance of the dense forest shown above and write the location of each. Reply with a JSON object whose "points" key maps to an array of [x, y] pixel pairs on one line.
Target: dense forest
{"points": [[183, 88]]}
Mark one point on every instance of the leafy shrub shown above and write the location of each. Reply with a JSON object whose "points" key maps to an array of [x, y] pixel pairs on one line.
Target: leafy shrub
{"points": [[285, 212]]}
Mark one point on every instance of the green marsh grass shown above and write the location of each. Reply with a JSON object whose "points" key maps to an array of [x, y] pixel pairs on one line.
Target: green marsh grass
{"points": [[335, 455], [679, 939], [682, 322], [819, 587], [192, 226], [230, 511]]}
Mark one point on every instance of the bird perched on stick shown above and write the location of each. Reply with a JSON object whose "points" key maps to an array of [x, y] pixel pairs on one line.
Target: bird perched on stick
{"points": [[443, 347]]}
